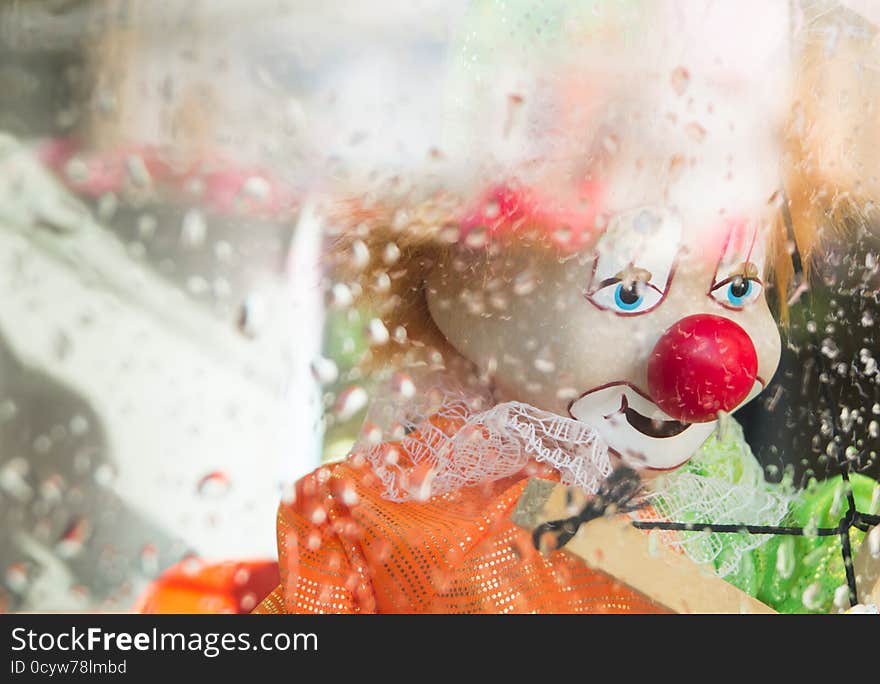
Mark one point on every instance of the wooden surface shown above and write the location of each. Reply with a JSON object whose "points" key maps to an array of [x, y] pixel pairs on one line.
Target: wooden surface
{"points": [[611, 544]]}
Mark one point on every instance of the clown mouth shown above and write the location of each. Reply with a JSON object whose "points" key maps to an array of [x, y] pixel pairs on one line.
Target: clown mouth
{"points": [[651, 427]]}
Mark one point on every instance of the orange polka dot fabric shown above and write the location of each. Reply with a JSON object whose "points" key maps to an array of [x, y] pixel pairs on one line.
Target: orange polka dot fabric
{"points": [[343, 548]]}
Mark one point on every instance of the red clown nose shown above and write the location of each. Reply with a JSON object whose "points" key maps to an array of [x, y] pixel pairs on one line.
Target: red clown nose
{"points": [[702, 365]]}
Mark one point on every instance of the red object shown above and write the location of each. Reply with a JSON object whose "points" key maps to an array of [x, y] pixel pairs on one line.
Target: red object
{"points": [[195, 586], [506, 210], [220, 184], [702, 365]]}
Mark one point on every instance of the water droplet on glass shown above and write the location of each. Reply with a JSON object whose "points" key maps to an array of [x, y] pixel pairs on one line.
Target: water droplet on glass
{"points": [[524, 283], [105, 474], [318, 515], [76, 170], [191, 566], [841, 597], [382, 283], [565, 393], [829, 348], [371, 433], [476, 238], [72, 541], [832, 450], [450, 234], [390, 254], [491, 209], [873, 542], [146, 226], [377, 333], [13, 479], [214, 485], [194, 229], [248, 602], [107, 206], [403, 386], [340, 296], [836, 507], [324, 370], [79, 425], [257, 188], [785, 558], [288, 493], [349, 402], [252, 315], [544, 365], [137, 171], [52, 489], [360, 255], [812, 597], [811, 529], [17, 577]]}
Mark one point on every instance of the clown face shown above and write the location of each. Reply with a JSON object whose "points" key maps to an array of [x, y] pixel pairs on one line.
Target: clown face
{"points": [[657, 323], [645, 337]]}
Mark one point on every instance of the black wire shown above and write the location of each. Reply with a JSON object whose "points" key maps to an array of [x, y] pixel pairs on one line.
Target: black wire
{"points": [[729, 529], [618, 493]]}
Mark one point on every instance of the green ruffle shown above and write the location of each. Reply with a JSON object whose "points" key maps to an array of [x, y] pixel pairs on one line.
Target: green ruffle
{"points": [[790, 574], [802, 574]]}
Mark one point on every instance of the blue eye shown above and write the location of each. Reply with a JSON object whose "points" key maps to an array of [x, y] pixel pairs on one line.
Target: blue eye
{"points": [[738, 292], [627, 298]]}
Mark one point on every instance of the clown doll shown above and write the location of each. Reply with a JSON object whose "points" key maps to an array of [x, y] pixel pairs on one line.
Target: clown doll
{"points": [[585, 288], [601, 307]]}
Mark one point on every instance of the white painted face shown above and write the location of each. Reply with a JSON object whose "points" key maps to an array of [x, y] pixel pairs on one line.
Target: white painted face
{"points": [[574, 334]]}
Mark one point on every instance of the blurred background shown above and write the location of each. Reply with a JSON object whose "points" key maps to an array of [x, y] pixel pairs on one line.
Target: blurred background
{"points": [[172, 353]]}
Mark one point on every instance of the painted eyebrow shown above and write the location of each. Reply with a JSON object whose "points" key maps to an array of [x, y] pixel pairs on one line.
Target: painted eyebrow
{"points": [[747, 269], [635, 272], [743, 272]]}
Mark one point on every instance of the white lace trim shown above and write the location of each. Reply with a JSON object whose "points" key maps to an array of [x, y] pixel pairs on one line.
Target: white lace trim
{"points": [[481, 445], [486, 445]]}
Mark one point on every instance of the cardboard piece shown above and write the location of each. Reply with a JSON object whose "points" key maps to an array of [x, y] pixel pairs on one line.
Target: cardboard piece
{"points": [[611, 544], [867, 572]]}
